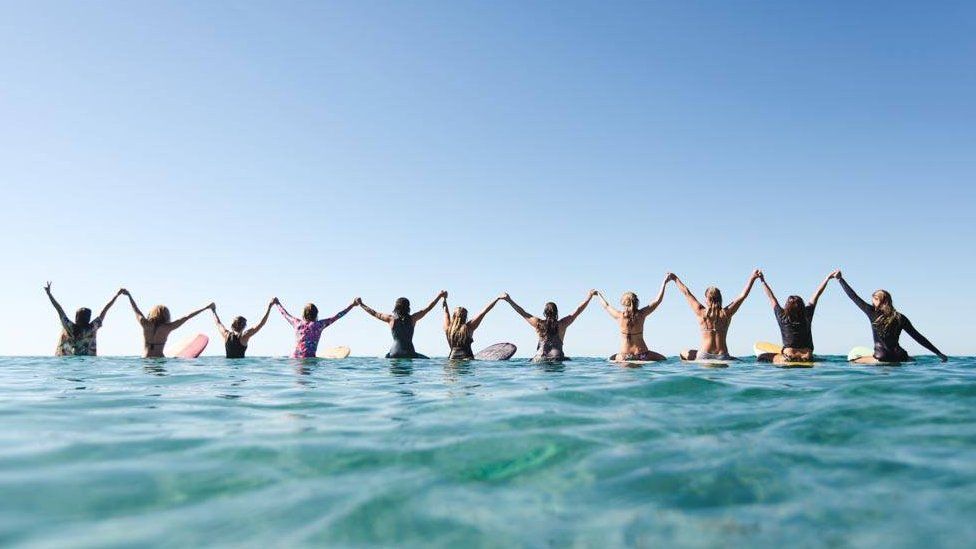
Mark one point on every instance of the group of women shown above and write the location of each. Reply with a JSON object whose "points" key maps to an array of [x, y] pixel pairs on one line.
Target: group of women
{"points": [[714, 319]]}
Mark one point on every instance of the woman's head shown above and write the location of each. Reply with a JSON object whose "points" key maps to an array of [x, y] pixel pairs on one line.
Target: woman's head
{"points": [[881, 298], [550, 319], [311, 312], [713, 296], [794, 308], [887, 314], [401, 309], [238, 324], [713, 306], [82, 321], [158, 315], [457, 330], [83, 316], [630, 302]]}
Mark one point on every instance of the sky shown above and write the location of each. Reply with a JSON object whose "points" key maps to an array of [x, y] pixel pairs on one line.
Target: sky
{"points": [[319, 151]]}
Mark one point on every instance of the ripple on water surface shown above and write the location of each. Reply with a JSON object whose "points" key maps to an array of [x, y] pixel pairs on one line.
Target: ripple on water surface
{"points": [[365, 451]]}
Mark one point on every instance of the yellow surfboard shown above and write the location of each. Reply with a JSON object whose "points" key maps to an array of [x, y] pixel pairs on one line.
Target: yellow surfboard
{"points": [[334, 353], [766, 348]]}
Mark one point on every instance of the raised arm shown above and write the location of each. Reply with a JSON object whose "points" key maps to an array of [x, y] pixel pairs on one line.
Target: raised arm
{"points": [[693, 302], [861, 304], [374, 313], [101, 316], [220, 325], [476, 321], [533, 321], [341, 313], [821, 288], [182, 320], [249, 333], [65, 323], [650, 307], [430, 306], [907, 326], [447, 314], [135, 308], [566, 321], [281, 309], [607, 307], [769, 293], [737, 302]]}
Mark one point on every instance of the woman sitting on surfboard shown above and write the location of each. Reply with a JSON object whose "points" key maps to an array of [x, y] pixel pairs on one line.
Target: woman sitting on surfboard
{"points": [[460, 331], [236, 339], [551, 329], [631, 323], [402, 324], [714, 320], [78, 337], [886, 327], [157, 326], [794, 324], [308, 329]]}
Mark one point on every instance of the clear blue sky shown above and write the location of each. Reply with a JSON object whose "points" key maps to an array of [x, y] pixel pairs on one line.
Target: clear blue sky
{"points": [[318, 151]]}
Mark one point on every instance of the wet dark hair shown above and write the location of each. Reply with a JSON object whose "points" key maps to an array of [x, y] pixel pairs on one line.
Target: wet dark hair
{"points": [[311, 312], [82, 321], [794, 309], [550, 321], [401, 309], [238, 323]]}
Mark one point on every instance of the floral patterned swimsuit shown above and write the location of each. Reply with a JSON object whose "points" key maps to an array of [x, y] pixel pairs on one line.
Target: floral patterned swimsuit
{"points": [[307, 334], [82, 345]]}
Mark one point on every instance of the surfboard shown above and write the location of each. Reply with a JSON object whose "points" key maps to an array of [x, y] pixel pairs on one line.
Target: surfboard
{"points": [[498, 351], [860, 352], [334, 353], [865, 355], [708, 362], [192, 347], [766, 348]]}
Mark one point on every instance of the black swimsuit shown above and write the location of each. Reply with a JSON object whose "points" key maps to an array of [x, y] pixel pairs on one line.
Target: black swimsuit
{"points": [[796, 334], [886, 346], [233, 346], [403, 339], [550, 346]]}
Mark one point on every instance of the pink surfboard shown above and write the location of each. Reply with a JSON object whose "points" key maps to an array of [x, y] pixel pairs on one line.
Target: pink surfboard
{"points": [[193, 347]]}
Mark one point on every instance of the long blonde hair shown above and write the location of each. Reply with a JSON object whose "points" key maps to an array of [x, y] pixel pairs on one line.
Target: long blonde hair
{"points": [[887, 314], [158, 315], [457, 330], [713, 308], [631, 306]]}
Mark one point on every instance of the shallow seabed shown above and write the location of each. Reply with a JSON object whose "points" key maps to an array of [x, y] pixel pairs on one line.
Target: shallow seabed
{"points": [[270, 452]]}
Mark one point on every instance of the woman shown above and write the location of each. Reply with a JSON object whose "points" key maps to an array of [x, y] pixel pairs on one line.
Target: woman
{"points": [[550, 329], [714, 320], [460, 331], [886, 327], [157, 326], [631, 322], [236, 339], [78, 337], [308, 329], [794, 324], [402, 324]]}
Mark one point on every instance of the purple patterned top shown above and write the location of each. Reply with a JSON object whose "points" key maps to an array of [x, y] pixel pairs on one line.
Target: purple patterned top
{"points": [[307, 334]]}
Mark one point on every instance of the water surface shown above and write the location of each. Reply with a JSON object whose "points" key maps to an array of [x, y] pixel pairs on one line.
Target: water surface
{"points": [[364, 451]]}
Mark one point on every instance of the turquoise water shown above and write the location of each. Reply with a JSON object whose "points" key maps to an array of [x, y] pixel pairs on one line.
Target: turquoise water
{"points": [[123, 451]]}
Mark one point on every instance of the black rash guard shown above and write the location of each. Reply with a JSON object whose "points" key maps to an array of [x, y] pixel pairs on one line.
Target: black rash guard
{"points": [[233, 346], [796, 334], [886, 347], [402, 330]]}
